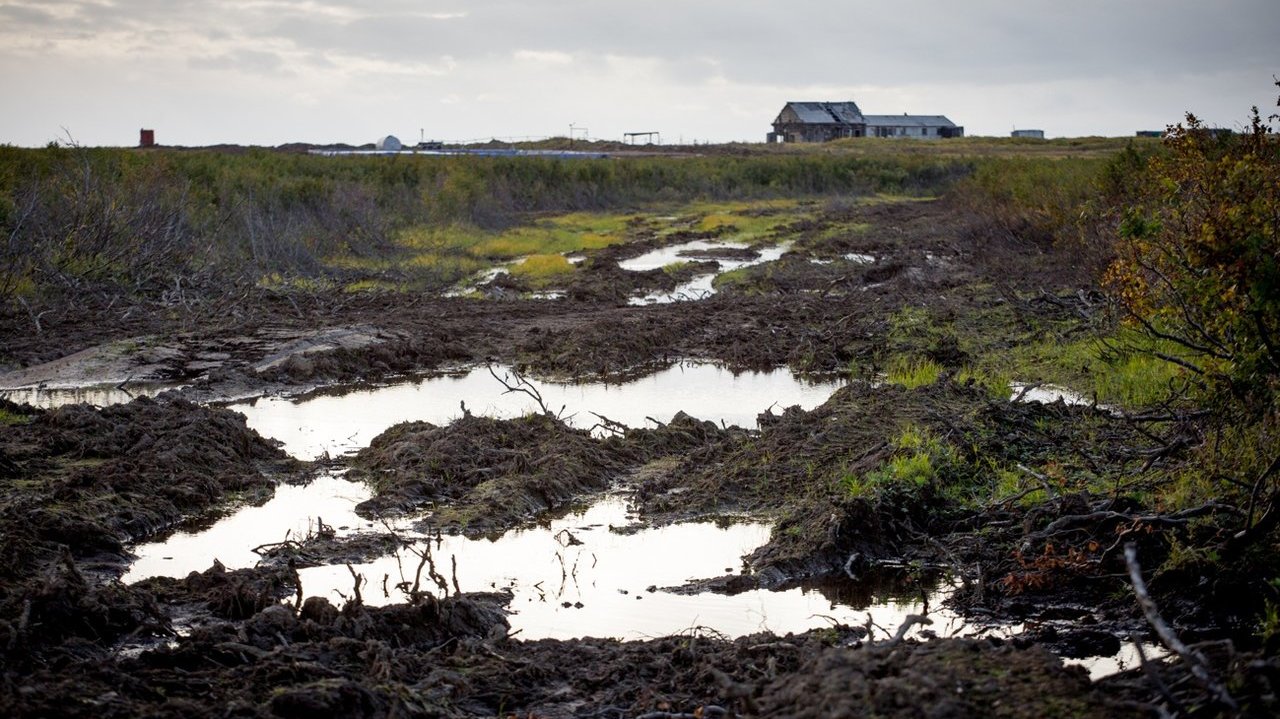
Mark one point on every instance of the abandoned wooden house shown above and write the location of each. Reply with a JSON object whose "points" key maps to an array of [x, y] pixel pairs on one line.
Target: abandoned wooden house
{"points": [[825, 121], [818, 122]]}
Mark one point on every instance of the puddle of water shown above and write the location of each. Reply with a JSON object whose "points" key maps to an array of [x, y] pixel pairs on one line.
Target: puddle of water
{"points": [[1127, 658], [293, 510], [335, 424], [699, 287], [604, 578], [671, 254], [468, 286], [1048, 394], [597, 584], [860, 258], [51, 397]]}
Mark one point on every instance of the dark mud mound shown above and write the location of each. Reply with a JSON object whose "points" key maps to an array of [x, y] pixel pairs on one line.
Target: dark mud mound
{"points": [[92, 479], [226, 594], [358, 661], [797, 467], [683, 435], [429, 348], [60, 615], [480, 474], [945, 678], [80, 482]]}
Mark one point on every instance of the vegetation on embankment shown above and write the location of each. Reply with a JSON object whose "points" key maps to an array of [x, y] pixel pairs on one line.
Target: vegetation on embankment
{"points": [[171, 226]]}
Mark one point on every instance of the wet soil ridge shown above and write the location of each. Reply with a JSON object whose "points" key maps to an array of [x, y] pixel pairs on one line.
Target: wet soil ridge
{"points": [[450, 658], [79, 483], [94, 479], [481, 474]]}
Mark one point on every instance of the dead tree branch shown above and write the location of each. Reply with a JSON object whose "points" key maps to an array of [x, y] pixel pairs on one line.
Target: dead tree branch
{"points": [[1194, 660]]}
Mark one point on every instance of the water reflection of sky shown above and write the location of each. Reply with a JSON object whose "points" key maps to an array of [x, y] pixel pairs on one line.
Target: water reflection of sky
{"points": [[609, 574], [346, 422], [701, 286]]}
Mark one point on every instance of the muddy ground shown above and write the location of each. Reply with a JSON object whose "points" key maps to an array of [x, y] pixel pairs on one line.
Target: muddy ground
{"points": [[80, 484]]}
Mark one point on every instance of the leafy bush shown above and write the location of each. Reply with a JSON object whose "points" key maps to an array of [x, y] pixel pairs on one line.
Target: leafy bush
{"points": [[1198, 260]]}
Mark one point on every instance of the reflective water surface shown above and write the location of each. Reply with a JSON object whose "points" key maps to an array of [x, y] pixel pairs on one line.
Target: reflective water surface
{"points": [[570, 576], [339, 423], [699, 287]]}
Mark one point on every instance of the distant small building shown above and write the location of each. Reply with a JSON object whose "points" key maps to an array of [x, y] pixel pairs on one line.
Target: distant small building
{"points": [[904, 125], [390, 143], [1036, 134], [1149, 133], [146, 138]]}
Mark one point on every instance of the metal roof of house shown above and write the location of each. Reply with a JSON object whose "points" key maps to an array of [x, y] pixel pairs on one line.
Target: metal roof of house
{"points": [[908, 121], [826, 113]]}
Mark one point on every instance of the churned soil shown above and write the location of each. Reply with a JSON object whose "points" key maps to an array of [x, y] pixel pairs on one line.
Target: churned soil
{"points": [[78, 484]]}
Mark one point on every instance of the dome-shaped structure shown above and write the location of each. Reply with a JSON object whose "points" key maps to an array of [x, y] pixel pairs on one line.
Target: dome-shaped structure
{"points": [[390, 143]]}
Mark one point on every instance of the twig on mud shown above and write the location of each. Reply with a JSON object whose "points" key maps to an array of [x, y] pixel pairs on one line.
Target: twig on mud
{"points": [[453, 558], [704, 712], [359, 600], [35, 318], [1042, 479], [1195, 660], [1177, 518], [1257, 488], [608, 425]]}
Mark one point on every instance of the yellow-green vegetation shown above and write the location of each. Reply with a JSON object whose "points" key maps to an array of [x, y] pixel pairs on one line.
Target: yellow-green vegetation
{"points": [[287, 282], [912, 372], [370, 285], [1123, 369], [983, 147], [559, 234], [541, 270], [995, 382], [743, 221], [10, 418], [434, 256], [915, 462], [731, 278]]}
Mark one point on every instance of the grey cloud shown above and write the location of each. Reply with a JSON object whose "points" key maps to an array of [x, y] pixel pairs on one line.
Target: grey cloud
{"points": [[814, 42], [250, 61], [24, 15]]}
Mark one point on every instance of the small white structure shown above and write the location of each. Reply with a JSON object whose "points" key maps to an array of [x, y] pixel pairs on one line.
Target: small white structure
{"points": [[390, 143], [1037, 134]]}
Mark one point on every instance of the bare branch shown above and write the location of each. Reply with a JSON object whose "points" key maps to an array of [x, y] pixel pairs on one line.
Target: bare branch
{"points": [[1195, 660]]}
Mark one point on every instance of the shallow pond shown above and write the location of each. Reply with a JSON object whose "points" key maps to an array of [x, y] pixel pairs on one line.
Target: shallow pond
{"points": [[570, 576], [699, 287], [337, 423], [573, 575]]}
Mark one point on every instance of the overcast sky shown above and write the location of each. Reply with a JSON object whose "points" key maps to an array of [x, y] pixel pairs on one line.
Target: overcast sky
{"points": [[275, 71]]}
